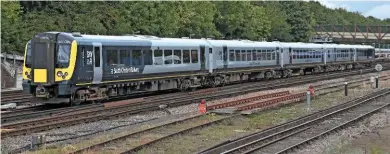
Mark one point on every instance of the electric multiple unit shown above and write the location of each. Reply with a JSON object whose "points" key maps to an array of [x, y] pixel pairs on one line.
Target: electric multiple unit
{"points": [[68, 67]]}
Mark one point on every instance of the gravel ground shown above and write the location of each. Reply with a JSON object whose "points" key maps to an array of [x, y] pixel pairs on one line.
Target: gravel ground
{"points": [[330, 143], [336, 141], [9, 144], [200, 139], [130, 122]]}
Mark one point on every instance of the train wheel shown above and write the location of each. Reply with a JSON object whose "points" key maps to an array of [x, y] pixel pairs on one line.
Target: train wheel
{"points": [[75, 103], [185, 85], [268, 75], [217, 81]]}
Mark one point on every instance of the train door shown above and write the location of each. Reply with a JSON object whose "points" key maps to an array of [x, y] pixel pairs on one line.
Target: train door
{"points": [[323, 55], [335, 54], [97, 63], [225, 57], [290, 55], [85, 64], [351, 54], [43, 53], [210, 60], [277, 56], [281, 55], [202, 58]]}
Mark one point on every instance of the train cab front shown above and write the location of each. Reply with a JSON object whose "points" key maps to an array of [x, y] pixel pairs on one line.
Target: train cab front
{"points": [[49, 72]]}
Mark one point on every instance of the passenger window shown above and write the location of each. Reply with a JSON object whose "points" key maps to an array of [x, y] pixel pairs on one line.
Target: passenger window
{"points": [[186, 56], [269, 54], [258, 55], [248, 55], [112, 57], [231, 55], [194, 56], [177, 57], [136, 57], [264, 55], [147, 56], [254, 55], [167, 56], [301, 55], [158, 57], [273, 54], [97, 56], [124, 57], [243, 55], [238, 55]]}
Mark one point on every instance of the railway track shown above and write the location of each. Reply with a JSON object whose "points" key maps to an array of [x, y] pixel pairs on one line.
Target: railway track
{"points": [[26, 148], [41, 111], [130, 143], [161, 132], [257, 103], [99, 113], [16, 96], [288, 136]]}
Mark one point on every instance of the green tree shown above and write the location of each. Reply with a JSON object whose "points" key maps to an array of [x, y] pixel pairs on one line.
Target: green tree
{"points": [[241, 20], [285, 21], [10, 27], [280, 29], [196, 18], [300, 18]]}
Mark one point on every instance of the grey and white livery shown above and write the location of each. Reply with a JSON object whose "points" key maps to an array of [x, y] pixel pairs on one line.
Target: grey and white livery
{"points": [[106, 66]]}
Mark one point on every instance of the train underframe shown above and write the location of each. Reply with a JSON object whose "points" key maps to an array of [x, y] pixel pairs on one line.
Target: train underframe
{"points": [[99, 93]]}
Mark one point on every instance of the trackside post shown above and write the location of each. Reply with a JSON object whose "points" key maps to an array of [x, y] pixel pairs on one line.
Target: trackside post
{"points": [[377, 82], [202, 106], [308, 100], [38, 141]]}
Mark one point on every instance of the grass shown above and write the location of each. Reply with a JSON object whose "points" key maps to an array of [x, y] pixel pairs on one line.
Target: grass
{"points": [[184, 143], [346, 148], [157, 133]]}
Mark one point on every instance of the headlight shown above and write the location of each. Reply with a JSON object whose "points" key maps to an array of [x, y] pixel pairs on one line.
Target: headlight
{"points": [[59, 74], [26, 73], [66, 74]]}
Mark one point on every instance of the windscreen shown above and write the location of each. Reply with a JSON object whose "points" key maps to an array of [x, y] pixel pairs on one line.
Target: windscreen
{"points": [[28, 55], [63, 55]]}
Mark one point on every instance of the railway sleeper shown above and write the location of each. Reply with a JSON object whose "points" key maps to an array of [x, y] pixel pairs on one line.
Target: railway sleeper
{"points": [[190, 83]]}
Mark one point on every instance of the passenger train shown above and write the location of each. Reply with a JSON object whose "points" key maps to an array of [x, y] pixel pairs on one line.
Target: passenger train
{"points": [[70, 67]]}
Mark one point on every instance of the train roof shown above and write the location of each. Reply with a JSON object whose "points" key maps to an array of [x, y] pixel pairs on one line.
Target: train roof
{"points": [[146, 40], [111, 40], [358, 46], [177, 42], [242, 43], [301, 45]]}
